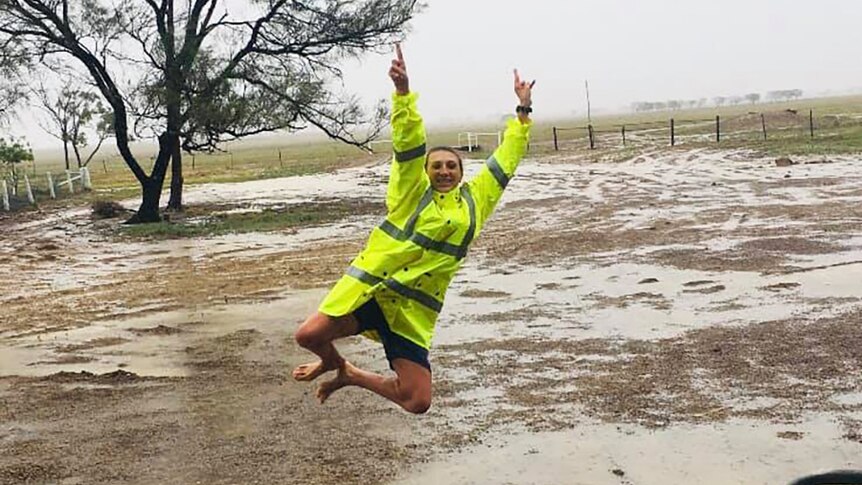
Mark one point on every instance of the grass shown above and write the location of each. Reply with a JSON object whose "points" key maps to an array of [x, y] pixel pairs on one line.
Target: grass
{"points": [[208, 220], [282, 157]]}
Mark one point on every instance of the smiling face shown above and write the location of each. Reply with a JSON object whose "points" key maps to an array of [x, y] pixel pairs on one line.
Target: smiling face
{"points": [[444, 170]]}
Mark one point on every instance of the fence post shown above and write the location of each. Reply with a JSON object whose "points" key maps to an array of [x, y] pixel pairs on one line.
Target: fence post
{"points": [[85, 178], [69, 179], [624, 135], [30, 197], [556, 147], [5, 195], [105, 165], [763, 123], [193, 161], [499, 138], [717, 129], [672, 133], [280, 163], [811, 121], [592, 141], [51, 185]]}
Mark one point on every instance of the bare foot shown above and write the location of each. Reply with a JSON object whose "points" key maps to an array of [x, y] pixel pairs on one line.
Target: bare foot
{"points": [[311, 371], [344, 378]]}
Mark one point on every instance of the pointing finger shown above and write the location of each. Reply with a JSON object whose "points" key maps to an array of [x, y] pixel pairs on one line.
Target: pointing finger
{"points": [[398, 52], [517, 78]]}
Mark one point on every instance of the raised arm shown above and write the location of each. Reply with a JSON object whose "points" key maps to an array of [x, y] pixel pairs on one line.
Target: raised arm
{"points": [[407, 175], [488, 185]]}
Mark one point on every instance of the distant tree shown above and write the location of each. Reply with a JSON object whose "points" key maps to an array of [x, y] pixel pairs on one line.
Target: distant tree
{"points": [[752, 98], [701, 102], [719, 101], [13, 153], [735, 100], [795, 93], [71, 114]]}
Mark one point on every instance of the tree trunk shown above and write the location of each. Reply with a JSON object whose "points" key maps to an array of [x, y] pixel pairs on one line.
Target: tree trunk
{"points": [[77, 154], [66, 152], [149, 209], [175, 203], [152, 185]]}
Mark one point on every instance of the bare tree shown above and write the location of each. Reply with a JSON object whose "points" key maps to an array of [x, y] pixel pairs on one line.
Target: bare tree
{"points": [[192, 75]]}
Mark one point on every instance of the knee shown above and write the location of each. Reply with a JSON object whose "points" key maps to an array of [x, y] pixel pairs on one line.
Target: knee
{"points": [[418, 404], [306, 335]]}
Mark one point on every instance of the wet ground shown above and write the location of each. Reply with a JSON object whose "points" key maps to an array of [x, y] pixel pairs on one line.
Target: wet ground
{"points": [[686, 315]]}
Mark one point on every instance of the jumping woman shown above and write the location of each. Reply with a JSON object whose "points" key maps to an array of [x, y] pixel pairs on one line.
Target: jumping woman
{"points": [[393, 291]]}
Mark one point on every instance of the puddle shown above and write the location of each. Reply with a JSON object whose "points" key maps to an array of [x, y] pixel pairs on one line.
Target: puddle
{"points": [[611, 302], [744, 452], [153, 345]]}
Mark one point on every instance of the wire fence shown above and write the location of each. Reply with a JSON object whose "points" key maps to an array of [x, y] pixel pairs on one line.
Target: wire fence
{"points": [[751, 126]]}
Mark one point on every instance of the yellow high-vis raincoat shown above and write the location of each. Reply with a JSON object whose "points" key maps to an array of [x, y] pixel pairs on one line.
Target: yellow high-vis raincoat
{"points": [[412, 256]]}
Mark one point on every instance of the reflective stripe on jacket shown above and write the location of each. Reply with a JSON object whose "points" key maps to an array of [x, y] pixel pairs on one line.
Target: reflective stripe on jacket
{"points": [[411, 257]]}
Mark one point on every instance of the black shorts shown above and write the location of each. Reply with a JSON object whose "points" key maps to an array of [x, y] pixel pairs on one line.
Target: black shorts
{"points": [[370, 317]]}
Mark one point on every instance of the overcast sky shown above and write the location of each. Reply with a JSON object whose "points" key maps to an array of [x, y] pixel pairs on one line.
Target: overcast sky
{"points": [[460, 53]]}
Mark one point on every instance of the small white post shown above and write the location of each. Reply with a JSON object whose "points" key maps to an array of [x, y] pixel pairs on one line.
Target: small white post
{"points": [[51, 186], [29, 190], [69, 180], [499, 138], [469, 142], [5, 195], [85, 178]]}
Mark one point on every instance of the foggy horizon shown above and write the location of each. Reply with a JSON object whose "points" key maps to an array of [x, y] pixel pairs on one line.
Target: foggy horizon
{"points": [[460, 56]]}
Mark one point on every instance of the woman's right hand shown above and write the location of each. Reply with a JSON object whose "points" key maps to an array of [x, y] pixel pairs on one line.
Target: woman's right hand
{"points": [[398, 72]]}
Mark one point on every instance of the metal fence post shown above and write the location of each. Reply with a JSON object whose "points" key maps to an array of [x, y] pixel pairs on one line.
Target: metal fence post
{"points": [[717, 129], [556, 147], [811, 121], [672, 133]]}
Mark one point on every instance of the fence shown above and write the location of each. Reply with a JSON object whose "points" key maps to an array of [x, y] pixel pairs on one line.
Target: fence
{"points": [[760, 126], [472, 139], [11, 198]]}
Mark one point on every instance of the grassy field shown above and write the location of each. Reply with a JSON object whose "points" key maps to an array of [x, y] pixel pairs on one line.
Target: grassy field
{"points": [[838, 129]]}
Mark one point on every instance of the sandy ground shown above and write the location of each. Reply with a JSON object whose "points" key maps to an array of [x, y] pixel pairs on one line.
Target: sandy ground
{"points": [[681, 316]]}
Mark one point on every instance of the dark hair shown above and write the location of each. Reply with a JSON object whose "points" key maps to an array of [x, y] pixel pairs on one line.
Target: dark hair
{"points": [[444, 149]]}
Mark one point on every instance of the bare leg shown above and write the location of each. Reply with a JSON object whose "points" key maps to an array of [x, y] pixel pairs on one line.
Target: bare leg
{"points": [[410, 388], [316, 335]]}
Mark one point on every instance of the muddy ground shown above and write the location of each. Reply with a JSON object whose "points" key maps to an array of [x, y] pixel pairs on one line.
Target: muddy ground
{"points": [[685, 315]]}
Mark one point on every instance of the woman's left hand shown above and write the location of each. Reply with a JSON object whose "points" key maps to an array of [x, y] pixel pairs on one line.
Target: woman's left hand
{"points": [[524, 91]]}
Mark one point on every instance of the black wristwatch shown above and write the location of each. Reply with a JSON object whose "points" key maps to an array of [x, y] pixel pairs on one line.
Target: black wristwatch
{"points": [[523, 109]]}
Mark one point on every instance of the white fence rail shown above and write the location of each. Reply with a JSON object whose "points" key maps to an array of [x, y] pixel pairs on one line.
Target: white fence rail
{"points": [[472, 139], [81, 177]]}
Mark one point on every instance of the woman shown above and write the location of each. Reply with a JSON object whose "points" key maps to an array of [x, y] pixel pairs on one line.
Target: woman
{"points": [[393, 291]]}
